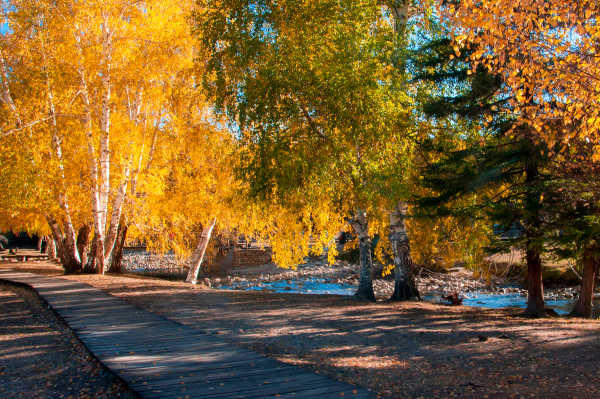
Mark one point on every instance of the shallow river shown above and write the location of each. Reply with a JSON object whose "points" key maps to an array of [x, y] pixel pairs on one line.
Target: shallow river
{"points": [[318, 286], [476, 299]]}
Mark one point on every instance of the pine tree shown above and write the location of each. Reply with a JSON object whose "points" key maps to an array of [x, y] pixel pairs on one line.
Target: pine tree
{"points": [[504, 164]]}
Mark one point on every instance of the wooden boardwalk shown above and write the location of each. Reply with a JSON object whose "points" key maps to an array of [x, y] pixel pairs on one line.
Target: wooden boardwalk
{"points": [[160, 358]]}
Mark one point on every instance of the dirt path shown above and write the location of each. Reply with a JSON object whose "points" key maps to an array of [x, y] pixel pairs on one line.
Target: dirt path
{"points": [[402, 350]]}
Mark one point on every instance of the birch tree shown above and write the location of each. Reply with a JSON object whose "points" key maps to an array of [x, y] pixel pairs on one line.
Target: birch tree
{"points": [[90, 67]]}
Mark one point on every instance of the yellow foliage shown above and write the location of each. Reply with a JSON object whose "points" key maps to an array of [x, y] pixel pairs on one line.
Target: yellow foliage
{"points": [[549, 64]]}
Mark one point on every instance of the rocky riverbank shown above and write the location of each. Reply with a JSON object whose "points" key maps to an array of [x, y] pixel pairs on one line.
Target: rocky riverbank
{"points": [[150, 261], [345, 274], [318, 277]]}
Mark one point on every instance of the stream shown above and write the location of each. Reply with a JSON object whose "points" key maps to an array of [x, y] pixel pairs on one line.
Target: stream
{"points": [[475, 299], [316, 277]]}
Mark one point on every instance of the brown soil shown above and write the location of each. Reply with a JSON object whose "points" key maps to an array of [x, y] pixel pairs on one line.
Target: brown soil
{"points": [[397, 349]]}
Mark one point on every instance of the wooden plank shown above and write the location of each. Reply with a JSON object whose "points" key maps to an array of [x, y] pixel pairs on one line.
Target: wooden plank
{"points": [[242, 392], [153, 341], [251, 381], [150, 338], [172, 359], [161, 358], [196, 374], [208, 369]]}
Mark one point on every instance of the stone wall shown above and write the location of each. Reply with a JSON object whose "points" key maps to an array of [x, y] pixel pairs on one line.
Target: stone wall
{"points": [[251, 257]]}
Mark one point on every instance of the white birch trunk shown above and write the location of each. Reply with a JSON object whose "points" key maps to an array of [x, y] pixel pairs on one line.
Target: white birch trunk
{"points": [[151, 152], [51, 247], [6, 97], [67, 248], [56, 232], [97, 255], [62, 196], [136, 117], [70, 257], [117, 255], [400, 10], [105, 123], [360, 224], [198, 255], [111, 234]]}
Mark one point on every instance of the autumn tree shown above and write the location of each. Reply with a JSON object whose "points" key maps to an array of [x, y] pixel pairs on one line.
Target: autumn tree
{"points": [[545, 54], [502, 163], [199, 188], [316, 97], [572, 213], [94, 74]]}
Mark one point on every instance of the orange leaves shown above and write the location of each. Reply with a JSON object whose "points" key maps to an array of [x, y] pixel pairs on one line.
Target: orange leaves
{"points": [[545, 50]]}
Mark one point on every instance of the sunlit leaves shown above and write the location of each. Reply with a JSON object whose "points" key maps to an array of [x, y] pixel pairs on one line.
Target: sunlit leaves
{"points": [[546, 53]]}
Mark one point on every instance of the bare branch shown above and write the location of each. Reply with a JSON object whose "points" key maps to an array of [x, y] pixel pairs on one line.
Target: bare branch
{"points": [[21, 127], [312, 123]]}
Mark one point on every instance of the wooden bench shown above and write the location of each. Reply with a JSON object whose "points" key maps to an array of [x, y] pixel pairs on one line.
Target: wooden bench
{"points": [[23, 258]]}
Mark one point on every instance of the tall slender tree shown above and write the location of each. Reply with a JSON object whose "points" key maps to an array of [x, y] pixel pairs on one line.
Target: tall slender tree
{"points": [[504, 164]]}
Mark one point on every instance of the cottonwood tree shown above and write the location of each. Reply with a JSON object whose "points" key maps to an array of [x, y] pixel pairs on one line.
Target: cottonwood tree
{"points": [[546, 54], [315, 96]]}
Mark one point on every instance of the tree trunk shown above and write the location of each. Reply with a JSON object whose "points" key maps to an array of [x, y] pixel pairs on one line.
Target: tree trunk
{"points": [[105, 121], [597, 276], [45, 243], [115, 219], [83, 242], [96, 261], [360, 224], [117, 255], [90, 265], [51, 248], [6, 96], [97, 253], [399, 10], [66, 246], [405, 288], [584, 305], [198, 256], [39, 243], [535, 285]]}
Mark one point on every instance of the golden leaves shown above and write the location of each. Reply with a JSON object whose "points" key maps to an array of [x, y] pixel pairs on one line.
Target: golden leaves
{"points": [[545, 51]]}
